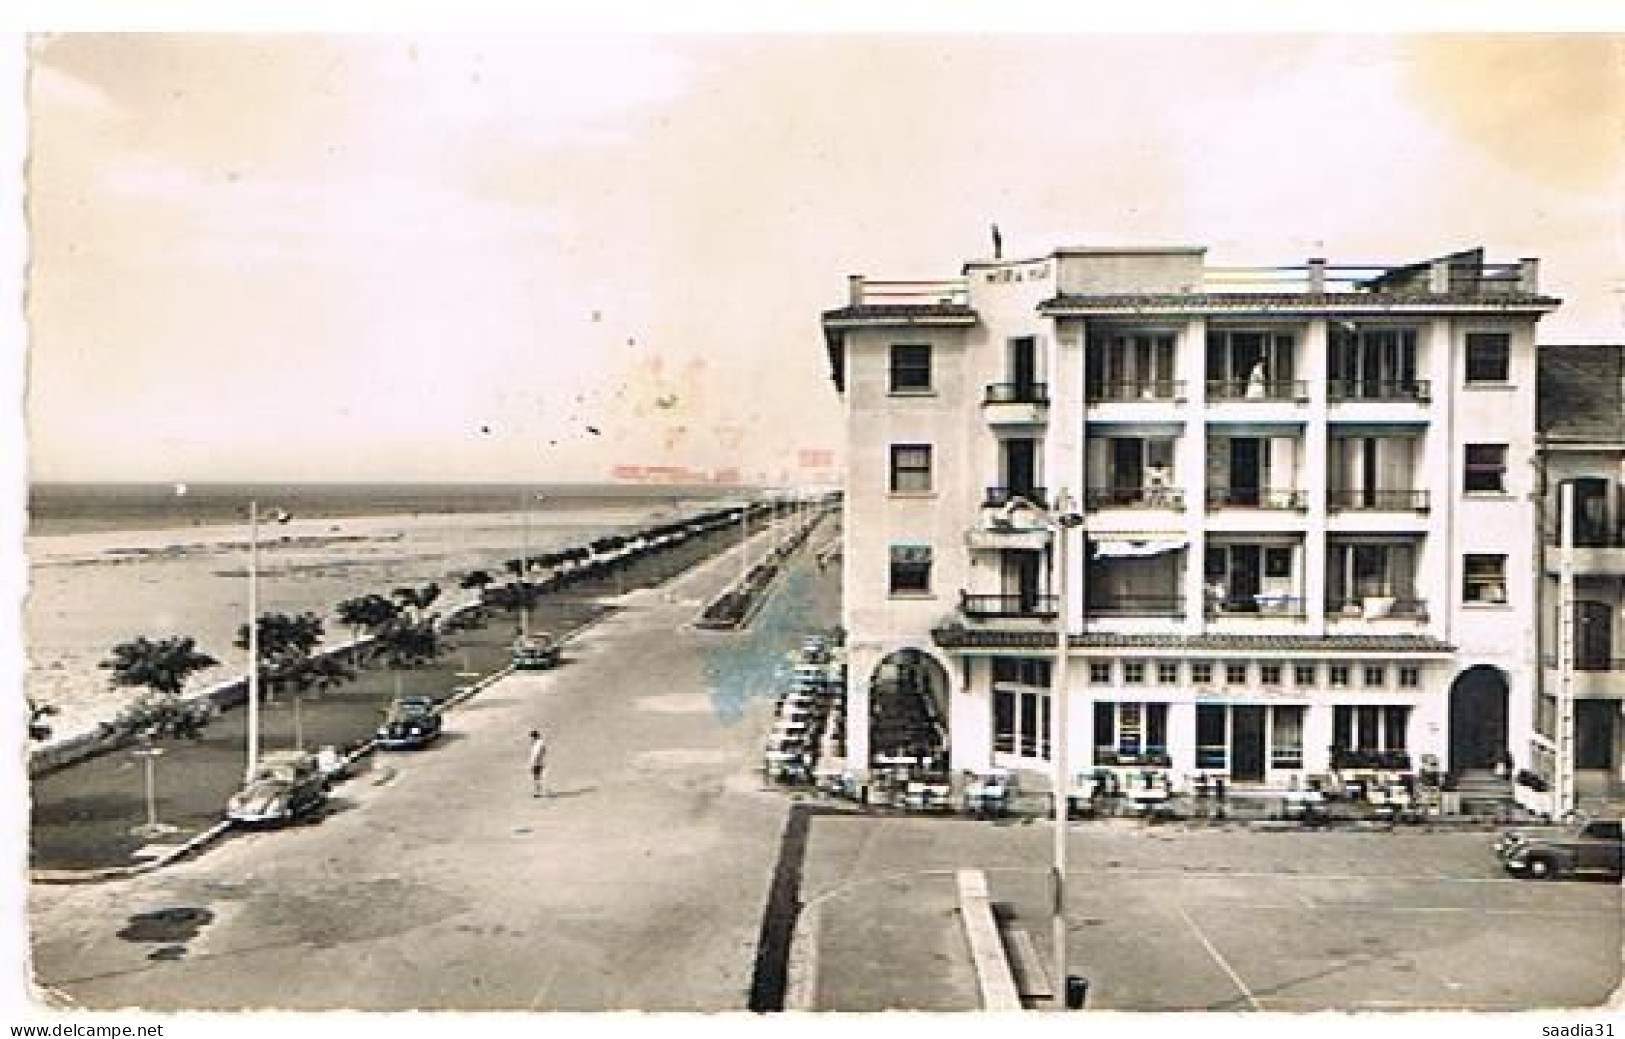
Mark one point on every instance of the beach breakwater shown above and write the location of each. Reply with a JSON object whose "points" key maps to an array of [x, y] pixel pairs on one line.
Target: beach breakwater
{"points": [[584, 563]]}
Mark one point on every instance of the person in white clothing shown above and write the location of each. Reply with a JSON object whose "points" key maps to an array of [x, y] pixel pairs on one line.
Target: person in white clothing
{"points": [[538, 760]]}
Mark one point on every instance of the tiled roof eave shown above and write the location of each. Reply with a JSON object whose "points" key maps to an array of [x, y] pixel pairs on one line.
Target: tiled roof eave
{"points": [[871, 316]]}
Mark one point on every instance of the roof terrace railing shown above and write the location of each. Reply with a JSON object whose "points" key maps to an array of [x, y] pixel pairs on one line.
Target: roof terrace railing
{"points": [[1445, 275], [870, 292]]}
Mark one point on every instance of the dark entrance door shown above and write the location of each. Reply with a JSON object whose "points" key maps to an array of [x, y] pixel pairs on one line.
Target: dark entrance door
{"points": [[1020, 468], [1593, 635], [1128, 470], [1244, 470], [1024, 365], [1590, 511], [1245, 578], [1478, 718], [1594, 722], [1247, 744]]}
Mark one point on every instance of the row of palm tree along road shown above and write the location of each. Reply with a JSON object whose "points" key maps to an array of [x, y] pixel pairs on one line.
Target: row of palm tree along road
{"points": [[83, 805]]}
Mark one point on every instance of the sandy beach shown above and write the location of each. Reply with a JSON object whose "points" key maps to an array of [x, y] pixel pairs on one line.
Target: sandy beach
{"points": [[90, 591]]}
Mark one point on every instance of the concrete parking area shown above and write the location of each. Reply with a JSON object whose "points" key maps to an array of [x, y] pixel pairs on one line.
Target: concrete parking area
{"points": [[1212, 918]]}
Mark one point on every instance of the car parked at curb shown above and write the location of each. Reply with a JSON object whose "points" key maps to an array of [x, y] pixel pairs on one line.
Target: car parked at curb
{"points": [[534, 652], [1596, 846], [287, 785], [413, 722]]}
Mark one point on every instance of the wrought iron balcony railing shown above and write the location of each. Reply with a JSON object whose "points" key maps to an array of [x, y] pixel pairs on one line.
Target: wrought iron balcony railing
{"points": [[998, 497], [1171, 605], [1134, 498], [1255, 498], [1016, 393], [1378, 390], [1036, 607], [1376, 607], [1251, 389], [1341, 500], [1118, 390], [1264, 607]]}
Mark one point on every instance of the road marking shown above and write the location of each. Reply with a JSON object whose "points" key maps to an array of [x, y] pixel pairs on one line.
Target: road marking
{"points": [[1220, 960]]}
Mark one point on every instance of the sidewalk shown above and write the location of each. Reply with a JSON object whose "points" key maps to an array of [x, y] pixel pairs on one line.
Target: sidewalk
{"points": [[83, 814]]}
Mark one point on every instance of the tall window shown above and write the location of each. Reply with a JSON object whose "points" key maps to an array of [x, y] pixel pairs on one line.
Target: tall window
{"points": [[1374, 364], [1484, 579], [910, 368], [910, 467], [1489, 357], [1130, 366], [1369, 726], [910, 568], [1021, 721], [1286, 736], [1486, 469], [1130, 732]]}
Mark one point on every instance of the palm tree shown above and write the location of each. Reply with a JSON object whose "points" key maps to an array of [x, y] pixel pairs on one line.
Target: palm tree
{"points": [[366, 613], [161, 667]]}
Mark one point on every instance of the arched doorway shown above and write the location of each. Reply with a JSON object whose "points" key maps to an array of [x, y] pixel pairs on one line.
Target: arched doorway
{"points": [[908, 707], [1478, 718]]}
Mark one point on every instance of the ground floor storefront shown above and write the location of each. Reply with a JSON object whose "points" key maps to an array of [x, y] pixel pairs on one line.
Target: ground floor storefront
{"points": [[1281, 721]]}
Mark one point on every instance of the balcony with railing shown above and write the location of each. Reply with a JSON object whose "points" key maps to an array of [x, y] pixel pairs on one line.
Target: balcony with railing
{"points": [[1016, 403], [999, 497], [1148, 497], [1599, 548], [1222, 391], [1134, 391], [1593, 674], [1004, 525], [1274, 498], [977, 606], [1378, 391], [1264, 607], [1168, 604], [1344, 500], [1375, 608], [1460, 274]]}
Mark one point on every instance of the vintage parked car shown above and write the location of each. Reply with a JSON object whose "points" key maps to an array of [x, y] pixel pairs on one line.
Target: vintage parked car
{"points": [[412, 722], [287, 785], [1593, 847], [535, 652]]}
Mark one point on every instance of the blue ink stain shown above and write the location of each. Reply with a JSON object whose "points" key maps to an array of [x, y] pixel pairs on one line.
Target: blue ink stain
{"points": [[755, 662]]}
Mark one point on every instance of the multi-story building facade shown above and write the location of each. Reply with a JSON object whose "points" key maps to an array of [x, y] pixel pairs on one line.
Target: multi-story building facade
{"points": [[1579, 741], [1305, 500]]}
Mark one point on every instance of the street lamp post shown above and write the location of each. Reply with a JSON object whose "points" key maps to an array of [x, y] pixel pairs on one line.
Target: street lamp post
{"points": [[152, 827], [1061, 522], [253, 640], [281, 516], [524, 562]]}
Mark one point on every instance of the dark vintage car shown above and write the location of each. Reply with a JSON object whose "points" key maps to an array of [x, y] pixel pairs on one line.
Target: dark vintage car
{"points": [[287, 785], [413, 722], [1593, 847], [534, 652]]}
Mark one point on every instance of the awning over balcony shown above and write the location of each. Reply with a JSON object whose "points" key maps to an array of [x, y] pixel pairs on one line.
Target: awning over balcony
{"points": [[1124, 549]]}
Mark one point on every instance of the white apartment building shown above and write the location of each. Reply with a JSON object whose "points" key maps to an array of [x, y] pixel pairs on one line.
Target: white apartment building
{"points": [[1307, 512], [1581, 424]]}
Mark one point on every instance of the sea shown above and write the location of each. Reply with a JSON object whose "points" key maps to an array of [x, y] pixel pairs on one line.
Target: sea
{"points": [[107, 562]]}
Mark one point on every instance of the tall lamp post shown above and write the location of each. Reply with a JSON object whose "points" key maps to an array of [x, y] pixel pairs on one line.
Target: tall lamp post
{"points": [[280, 516], [1061, 521], [524, 562]]}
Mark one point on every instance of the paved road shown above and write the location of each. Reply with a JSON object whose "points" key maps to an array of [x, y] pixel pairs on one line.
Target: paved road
{"points": [[1193, 918], [438, 882]]}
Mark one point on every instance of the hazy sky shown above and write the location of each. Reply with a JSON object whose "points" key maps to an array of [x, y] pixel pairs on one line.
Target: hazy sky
{"points": [[371, 257]]}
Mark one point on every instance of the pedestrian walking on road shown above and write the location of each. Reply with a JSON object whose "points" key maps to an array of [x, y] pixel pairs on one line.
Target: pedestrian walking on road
{"points": [[538, 759]]}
